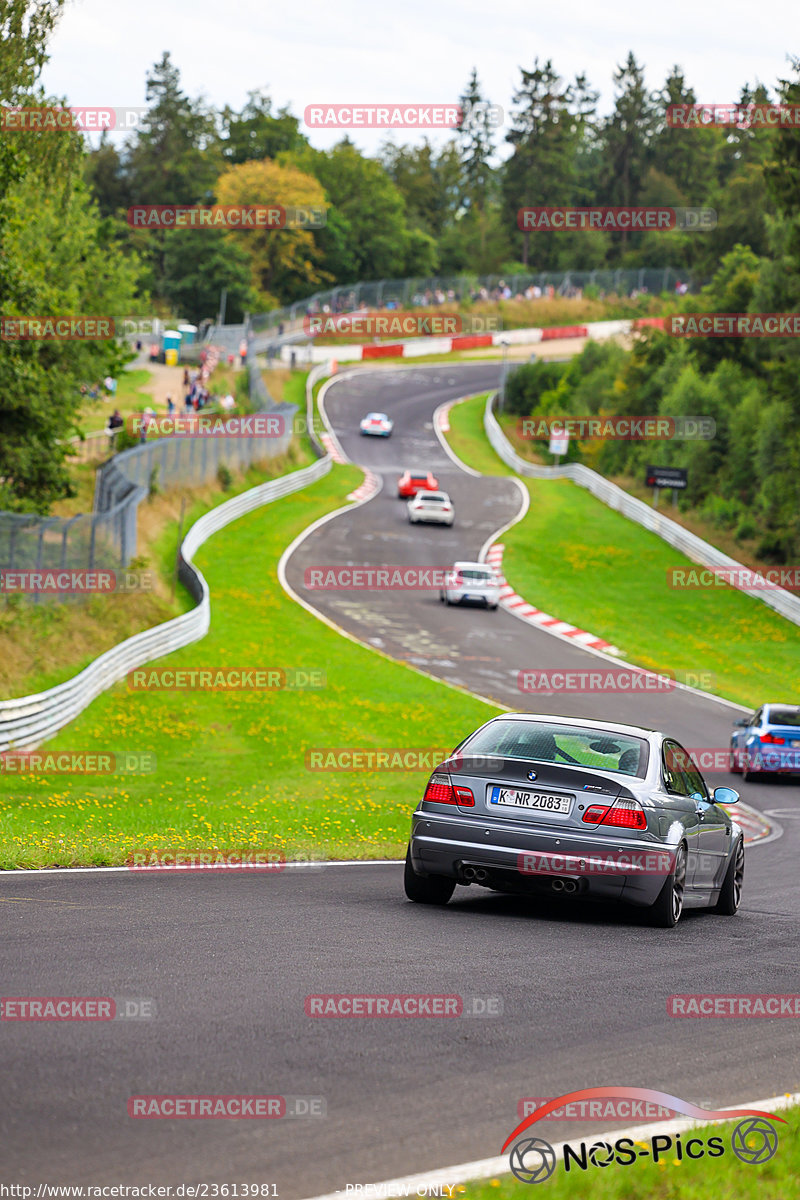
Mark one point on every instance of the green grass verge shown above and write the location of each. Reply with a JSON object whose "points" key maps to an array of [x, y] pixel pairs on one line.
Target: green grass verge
{"points": [[67, 637], [725, 1177], [231, 767], [577, 559]]}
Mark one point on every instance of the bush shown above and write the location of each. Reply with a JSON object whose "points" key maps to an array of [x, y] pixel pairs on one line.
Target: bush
{"points": [[224, 478], [746, 529]]}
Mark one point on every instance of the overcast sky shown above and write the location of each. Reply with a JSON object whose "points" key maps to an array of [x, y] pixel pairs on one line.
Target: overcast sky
{"points": [[351, 51]]}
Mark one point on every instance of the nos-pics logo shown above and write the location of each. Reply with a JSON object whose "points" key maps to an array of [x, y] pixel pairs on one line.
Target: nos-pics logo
{"points": [[533, 1160]]}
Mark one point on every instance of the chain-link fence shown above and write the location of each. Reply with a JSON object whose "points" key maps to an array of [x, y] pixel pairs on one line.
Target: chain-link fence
{"points": [[450, 289], [106, 537]]}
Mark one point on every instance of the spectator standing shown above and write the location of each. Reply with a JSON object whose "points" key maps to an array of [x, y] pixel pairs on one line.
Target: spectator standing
{"points": [[115, 422]]}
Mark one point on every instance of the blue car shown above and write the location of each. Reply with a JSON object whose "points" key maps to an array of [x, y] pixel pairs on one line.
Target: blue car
{"points": [[766, 742]]}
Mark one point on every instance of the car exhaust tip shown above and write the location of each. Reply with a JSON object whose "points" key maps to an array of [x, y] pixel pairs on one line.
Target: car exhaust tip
{"points": [[558, 885], [469, 874], [570, 886], [480, 875]]}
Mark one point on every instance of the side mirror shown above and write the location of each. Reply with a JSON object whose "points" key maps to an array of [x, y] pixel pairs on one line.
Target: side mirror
{"points": [[725, 795], [743, 721]]}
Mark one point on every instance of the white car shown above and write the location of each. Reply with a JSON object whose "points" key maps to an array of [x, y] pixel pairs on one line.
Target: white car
{"points": [[471, 582], [436, 508], [376, 425]]}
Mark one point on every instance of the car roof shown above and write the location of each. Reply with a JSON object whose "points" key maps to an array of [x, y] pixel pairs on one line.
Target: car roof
{"points": [[472, 566], [777, 704], [607, 726], [432, 495], [376, 414]]}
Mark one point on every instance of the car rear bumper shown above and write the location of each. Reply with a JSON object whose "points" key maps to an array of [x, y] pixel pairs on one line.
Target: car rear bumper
{"points": [[772, 758], [443, 845], [471, 596]]}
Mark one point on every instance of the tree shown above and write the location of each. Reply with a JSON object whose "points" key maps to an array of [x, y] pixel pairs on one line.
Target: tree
{"points": [[105, 174], [541, 169], [626, 139], [174, 159], [284, 263], [257, 133], [54, 261], [199, 264], [372, 235], [428, 182], [686, 156]]}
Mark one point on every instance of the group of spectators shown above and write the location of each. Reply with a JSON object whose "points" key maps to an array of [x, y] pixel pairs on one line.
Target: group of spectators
{"points": [[431, 297], [196, 394], [104, 388]]}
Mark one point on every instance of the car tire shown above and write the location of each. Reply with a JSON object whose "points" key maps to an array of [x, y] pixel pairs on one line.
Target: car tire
{"points": [[666, 911], [730, 895], [493, 607], [748, 776], [426, 889]]}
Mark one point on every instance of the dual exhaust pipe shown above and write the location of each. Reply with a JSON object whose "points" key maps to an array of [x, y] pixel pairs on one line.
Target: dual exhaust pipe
{"points": [[480, 875], [475, 874]]}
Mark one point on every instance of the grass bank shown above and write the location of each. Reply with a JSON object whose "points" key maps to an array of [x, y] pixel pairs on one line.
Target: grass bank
{"points": [[672, 1177], [577, 559], [231, 767]]}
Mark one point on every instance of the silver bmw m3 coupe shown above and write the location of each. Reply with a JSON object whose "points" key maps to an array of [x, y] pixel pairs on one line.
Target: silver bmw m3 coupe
{"points": [[566, 807]]}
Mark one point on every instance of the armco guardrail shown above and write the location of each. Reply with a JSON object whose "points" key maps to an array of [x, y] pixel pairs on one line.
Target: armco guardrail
{"points": [[690, 544], [26, 722], [314, 376]]}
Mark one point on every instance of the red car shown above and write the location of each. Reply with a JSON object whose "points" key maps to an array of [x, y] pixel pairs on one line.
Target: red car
{"points": [[411, 482]]}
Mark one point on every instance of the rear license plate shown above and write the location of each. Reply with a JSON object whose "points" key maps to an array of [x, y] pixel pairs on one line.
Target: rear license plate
{"points": [[794, 743], [514, 798]]}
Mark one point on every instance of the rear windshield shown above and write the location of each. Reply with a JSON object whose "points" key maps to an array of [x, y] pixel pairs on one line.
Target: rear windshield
{"points": [[431, 498], [784, 716], [479, 576], [562, 744]]}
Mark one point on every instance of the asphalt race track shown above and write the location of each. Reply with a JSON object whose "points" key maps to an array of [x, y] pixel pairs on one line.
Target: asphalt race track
{"points": [[228, 960]]}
